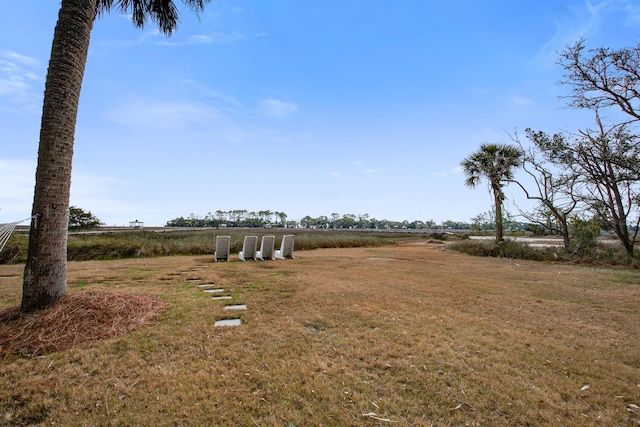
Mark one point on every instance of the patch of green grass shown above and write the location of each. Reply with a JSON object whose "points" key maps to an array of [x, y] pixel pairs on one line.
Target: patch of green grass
{"points": [[628, 277]]}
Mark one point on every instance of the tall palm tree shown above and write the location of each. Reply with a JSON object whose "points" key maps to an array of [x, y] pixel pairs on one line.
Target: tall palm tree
{"points": [[496, 163], [45, 274]]}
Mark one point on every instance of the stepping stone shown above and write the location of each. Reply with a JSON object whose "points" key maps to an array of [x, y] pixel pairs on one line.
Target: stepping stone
{"points": [[222, 297], [235, 307], [206, 285], [193, 280], [213, 291], [228, 322]]}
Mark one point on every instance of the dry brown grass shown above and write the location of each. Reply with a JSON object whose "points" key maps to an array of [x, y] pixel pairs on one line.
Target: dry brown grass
{"points": [[407, 335]]}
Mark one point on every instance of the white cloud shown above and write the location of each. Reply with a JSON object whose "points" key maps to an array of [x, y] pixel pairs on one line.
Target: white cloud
{"points": [[19, 78], [369, 171], [14, 86], [216, 118], [225, 37], [99, 194], [163, 114], [215, 38], [17, 177], [277, 109], [22, 59], [224, 101], [578, 22], [212, 38], [103, 196], [587, 20], [201, 39], [16, 192], [443, 172]]}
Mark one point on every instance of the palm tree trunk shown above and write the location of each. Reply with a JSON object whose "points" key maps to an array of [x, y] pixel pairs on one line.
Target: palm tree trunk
{"points": [[45, 274], [498, 202]]}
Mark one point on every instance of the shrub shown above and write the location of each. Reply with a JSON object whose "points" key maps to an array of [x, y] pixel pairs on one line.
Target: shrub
{"points": [[598, 254], [15, 250], [583, 235], [506, 249]]}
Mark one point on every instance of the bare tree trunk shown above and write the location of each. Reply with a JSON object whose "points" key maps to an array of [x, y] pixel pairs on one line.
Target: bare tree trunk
{"points": [[45, 274], [564, 230]]}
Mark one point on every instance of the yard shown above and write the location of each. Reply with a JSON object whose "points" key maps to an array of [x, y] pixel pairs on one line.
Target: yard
{"points": [[410, 334]]}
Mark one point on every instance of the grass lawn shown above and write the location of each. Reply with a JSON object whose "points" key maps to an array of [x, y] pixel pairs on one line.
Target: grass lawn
{"points": [[408, 335]]}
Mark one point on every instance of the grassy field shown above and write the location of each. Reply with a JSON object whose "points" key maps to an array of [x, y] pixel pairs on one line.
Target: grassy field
{"points": [[144, 243], [409, 335]]}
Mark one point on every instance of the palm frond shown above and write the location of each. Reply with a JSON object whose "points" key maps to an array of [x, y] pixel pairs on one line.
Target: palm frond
{"points": [[164, 13]]}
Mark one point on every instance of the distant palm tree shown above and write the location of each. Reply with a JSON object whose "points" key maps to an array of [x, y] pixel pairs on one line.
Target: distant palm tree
{"points": [[496, 163], [45, 274], [283, 218]]}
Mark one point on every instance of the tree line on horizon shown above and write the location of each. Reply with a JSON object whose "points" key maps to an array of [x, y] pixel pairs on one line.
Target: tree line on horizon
{"points": [[266, 219]]}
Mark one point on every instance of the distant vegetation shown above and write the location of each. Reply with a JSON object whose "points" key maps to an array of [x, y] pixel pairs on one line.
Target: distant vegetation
{"points": [[593, 254], [139, 243], [199, 241], [244, 218], [81, 219]]}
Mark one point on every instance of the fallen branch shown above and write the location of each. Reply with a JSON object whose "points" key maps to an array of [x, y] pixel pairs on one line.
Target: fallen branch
{"points": [[375, 416], [461, 404]]}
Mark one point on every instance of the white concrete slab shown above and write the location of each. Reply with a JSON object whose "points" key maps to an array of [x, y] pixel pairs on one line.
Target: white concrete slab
{"points": [[228, 322]]}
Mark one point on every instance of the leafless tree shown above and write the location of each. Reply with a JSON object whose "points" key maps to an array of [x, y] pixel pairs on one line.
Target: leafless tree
{"points": [[553, 188], [602, 77]]}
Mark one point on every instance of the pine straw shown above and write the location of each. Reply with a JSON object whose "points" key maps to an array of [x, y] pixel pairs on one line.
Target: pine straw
{"points": [[79, 318]]}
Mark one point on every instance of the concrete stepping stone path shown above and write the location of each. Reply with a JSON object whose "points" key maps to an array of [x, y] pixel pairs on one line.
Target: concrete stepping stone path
{"points": [[228, 322], [221, 297], [211, 288]]}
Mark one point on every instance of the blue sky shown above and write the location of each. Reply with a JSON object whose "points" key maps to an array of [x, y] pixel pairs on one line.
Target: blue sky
{"points": [[306, 107]]}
